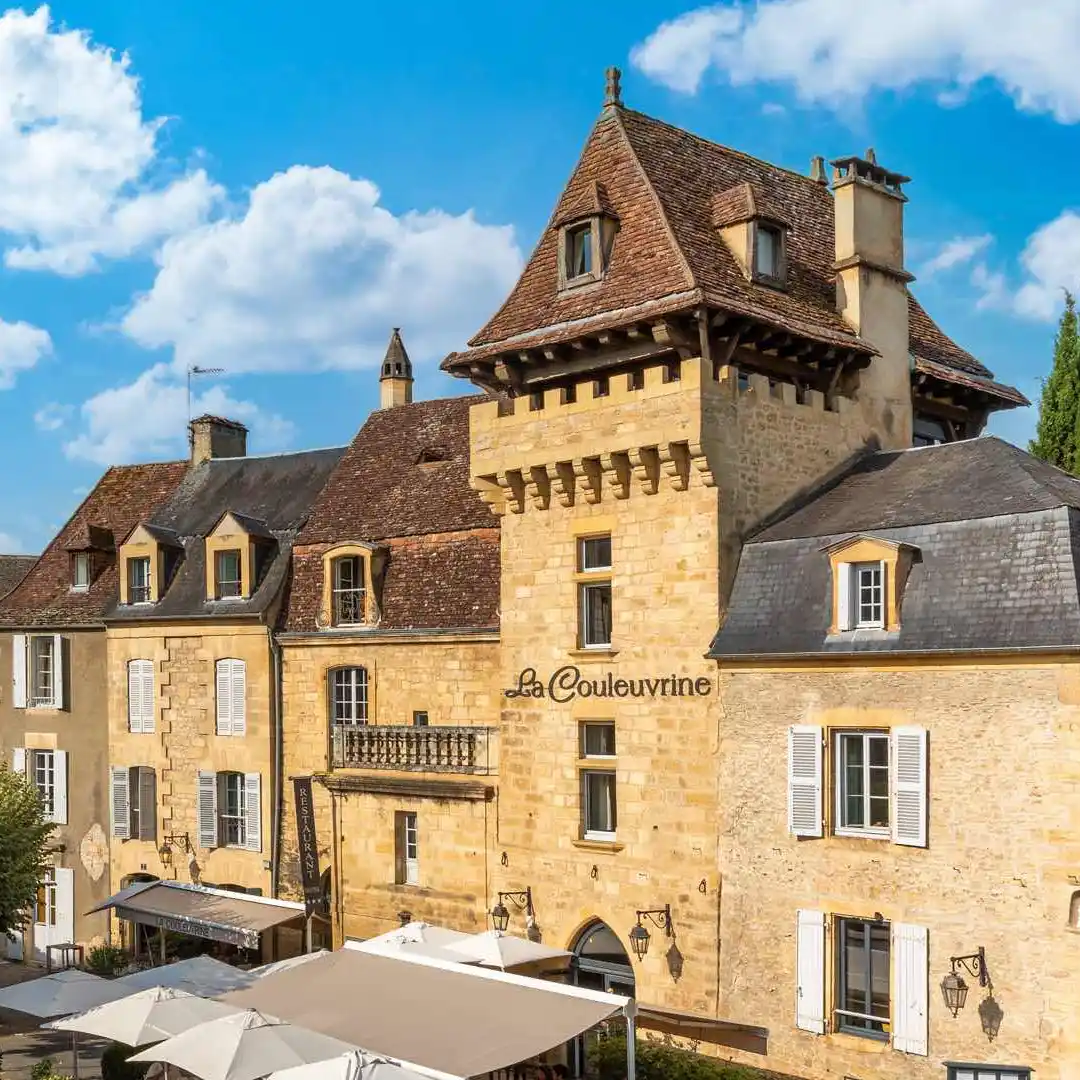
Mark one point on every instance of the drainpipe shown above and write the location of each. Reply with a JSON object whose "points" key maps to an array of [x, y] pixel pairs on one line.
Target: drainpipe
{"points": [[278, 761]]}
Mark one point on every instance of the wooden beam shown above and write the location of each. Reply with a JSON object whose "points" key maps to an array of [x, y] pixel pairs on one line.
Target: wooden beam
{"points": [[752, 360], [601, 360], [704, 341]]}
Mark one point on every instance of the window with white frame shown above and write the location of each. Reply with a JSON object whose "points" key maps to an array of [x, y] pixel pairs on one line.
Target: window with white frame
{"points": [[862, 782], [228, 583], [406, 848], [47, 771], [138, 580], [862, 977], [37, 669], [348, 590], [349, 695], [598, 808], [229, 810], [231, 817], [43, 774], [868, 594], [133, 802], [45, 906], [43, 665], [594, 592], [963, 1071], [80, 571]]}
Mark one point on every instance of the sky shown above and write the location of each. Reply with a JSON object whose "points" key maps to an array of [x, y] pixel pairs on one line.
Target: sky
{"points": [[244, 187]]}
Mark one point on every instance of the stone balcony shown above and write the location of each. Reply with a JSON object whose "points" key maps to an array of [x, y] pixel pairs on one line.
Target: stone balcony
{"points": [[459, 750]]}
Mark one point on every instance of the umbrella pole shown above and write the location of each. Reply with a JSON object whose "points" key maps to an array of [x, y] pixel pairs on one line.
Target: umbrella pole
{"points": [[75, 1055]]}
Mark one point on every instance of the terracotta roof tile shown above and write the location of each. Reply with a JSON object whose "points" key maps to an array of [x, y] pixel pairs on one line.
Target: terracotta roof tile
{"points": [[928, 342], [13, 568], [122, 497]]}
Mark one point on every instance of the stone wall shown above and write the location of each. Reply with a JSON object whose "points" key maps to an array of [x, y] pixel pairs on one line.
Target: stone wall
{"points": [[999, 869]]}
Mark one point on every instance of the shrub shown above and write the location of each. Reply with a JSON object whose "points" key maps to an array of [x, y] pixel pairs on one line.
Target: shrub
{"points": [[45, 1069], [661, 1058], [115, 1064], [106, 960]]}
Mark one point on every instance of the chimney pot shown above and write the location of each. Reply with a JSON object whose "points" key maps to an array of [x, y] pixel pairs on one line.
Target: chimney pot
{"points": [[216, 437], [817, 170]]}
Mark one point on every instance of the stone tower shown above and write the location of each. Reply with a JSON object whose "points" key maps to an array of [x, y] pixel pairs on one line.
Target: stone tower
{"points": [[396, 379]]}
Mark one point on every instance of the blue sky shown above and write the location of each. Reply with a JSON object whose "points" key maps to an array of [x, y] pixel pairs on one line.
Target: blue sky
{"points": [[269, 192]]}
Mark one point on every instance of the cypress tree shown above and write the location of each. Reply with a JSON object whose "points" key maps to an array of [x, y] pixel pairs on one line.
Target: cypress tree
{"points": [[1057, 436]]}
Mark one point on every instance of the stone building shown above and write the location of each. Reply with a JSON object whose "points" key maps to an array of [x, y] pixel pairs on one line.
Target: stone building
{"points": [[390, 671], [194, 735], [53, 717]]}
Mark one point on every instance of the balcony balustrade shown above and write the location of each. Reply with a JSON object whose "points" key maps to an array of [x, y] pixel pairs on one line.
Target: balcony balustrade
{"points": [[415, 749]]}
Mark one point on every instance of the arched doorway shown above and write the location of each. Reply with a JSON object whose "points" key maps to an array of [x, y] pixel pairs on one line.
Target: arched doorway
{"points": [[599, 962]]}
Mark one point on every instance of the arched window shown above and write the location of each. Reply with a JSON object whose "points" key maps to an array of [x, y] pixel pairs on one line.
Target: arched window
{"points": [[349, 695], [348, 590], [600, 962]]}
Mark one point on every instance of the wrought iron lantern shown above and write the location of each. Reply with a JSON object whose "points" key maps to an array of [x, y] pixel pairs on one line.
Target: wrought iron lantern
{"points": [[954, 989], [639, 934], [500, 914]]}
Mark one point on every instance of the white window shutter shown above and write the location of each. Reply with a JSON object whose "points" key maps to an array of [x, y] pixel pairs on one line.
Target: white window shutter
{"points": [[59, 689], [207, 810], [18, 760], [804, 781], [119, 802], [810, 966], [238, 685], [910, 980], [18, 670], [909, 786], [60, 787], [146, 696], [845, 615], [64, 932], [224, 697], [252, 812]]}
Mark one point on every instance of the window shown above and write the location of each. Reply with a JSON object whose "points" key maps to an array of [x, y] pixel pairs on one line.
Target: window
{"points": [[43, 671], [232, 823], [869, 593], [598, 785], [579, 252], [141, 696], [227, 575], [349, 695], [80, 571], [348, 596], [43, 774], [420, 718], [45, 908], [928, 432], [133, 802], [987, 1072], [594, 597], [231, 680], [47, 771], [768, 252], [862, 782], [407, 865], [138, 575], [862, 981]]}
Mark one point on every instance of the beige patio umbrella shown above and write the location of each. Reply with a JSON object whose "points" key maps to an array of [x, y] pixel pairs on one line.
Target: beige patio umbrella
{"points": [[147, 1016], [244, 1046], [359, 1065], [493, 948]]}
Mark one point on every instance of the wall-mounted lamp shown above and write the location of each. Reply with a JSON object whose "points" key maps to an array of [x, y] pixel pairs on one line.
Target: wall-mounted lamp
{"points": [[640, 936], [500, 914], [171, 840], [953, 988], [404, 917]]}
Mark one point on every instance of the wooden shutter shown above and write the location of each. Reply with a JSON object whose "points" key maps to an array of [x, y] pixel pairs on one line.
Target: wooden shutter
{"points": [[207, 810], [224, 697], [910, 981], [58, 684], [909, 786], [252, 812], [804, 781], [238, 692], [18, 760], [60, 787], [400, 848], [18, 670], [141, 696], [845, 615], [147, 796], [810, 968], [120, 802], [63, 933]]}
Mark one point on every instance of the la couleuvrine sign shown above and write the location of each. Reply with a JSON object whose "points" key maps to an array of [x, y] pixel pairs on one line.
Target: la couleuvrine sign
{"points": [[566, 683]]}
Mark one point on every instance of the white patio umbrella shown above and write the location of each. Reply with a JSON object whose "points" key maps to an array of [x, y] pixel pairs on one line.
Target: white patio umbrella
{"points": [[284, 965], [359, 1065], [493, 948], [147, 1016], [201, 975], [413, 939], [245, 1046]]}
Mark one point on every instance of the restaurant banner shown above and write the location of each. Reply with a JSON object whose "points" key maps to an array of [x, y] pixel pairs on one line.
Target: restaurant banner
{"points": [[309, 848]]}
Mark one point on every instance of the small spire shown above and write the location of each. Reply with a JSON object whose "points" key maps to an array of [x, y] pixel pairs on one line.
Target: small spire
{"points": [[613, 89], [817, 170], [396, 363]]}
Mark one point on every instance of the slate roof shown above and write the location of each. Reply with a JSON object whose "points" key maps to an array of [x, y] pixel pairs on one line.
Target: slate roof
{"points": [[13, 568], [442, 541], [671, 190], [123, 496], [277, 491], [997, 534]]}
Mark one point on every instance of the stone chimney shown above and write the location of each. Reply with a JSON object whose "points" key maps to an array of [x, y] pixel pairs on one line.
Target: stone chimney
{"points": [[396, 380], [871, 288], [216, 437]]}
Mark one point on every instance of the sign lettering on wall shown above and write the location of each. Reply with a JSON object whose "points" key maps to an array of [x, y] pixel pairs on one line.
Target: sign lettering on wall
{"points": [[308, 844], [566, 683]]}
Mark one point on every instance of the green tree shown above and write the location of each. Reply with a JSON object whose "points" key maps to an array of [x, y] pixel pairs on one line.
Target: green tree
{"points": [[1057, 436], [24, 848]]}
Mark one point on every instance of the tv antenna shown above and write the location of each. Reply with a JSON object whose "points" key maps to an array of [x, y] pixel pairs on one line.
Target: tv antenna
{"points": [[195, 370]]}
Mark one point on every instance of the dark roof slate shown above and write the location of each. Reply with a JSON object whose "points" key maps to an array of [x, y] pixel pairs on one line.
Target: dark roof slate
{"points": [[125, 495]]}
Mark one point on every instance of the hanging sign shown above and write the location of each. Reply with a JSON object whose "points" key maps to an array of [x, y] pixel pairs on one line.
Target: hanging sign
{"points": [[308, 844]]}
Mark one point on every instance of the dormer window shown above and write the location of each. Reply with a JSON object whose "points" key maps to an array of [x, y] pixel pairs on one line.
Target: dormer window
{"points": [[138, 580], [869, 575], [348, 590], [769, 255], [579, 251], [228, 575], [80, 571], [868, 593], [587, 228]]}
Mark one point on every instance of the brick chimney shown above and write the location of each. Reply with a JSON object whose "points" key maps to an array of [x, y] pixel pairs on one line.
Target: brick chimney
{"points": [[396, 378], [216, 437], [871, 287]]}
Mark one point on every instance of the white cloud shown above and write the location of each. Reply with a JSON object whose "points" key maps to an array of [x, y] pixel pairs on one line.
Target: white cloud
{"points": [[21, 347], [79, 174], [313, 274], [9, 545], [147, 419], [958, 251], [1051, 263], [53, 416], [833, 51]]}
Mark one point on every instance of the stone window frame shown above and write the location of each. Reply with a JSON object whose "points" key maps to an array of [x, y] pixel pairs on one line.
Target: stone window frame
{"points": [[594, 766], [83, 559], [851, 1026], [406, 838], [587, 579], [372, 559], [779, 232], [220, 582], [602, 229], [838, 738], [129, 577], [845, 558]]}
